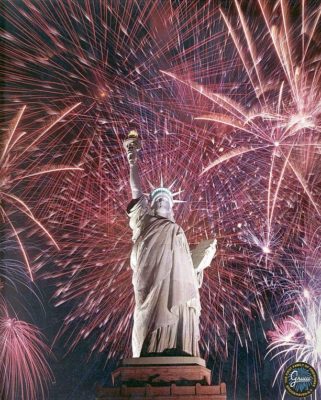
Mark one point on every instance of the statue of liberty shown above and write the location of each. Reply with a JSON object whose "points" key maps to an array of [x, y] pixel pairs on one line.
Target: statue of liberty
{"points": [[166, 275]]}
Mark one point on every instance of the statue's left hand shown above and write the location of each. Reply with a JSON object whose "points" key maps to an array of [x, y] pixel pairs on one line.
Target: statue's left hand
{"points": [[208, 256], [210, 252]]}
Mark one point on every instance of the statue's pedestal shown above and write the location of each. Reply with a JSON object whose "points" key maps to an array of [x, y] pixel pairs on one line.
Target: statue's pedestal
{"points": [[162, 378]]}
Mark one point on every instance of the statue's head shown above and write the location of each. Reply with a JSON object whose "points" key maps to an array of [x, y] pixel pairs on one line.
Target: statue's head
{"points": [[162, 202]]}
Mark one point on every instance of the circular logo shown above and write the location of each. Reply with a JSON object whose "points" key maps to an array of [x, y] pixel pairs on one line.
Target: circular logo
{"points": [[300, 379]]}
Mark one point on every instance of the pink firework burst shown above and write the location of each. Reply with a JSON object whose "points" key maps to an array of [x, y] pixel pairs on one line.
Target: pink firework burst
{"points": [[25, 372], [271, 116]]}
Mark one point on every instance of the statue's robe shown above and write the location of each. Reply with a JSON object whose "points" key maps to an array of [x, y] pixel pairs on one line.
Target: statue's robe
{"points": [[167, 304]]}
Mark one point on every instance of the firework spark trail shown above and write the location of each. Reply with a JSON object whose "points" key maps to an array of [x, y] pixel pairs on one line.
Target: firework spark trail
{"points": [[24, 370], [12, 159]]}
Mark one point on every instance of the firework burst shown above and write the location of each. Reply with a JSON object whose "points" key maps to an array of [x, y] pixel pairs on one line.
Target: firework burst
{"points": [[16, 154], [298, 338], [278, 118], [25, 373]]}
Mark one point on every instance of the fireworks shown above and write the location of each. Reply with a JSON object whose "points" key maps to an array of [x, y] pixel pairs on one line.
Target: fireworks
{"points": [[227, 104], [109, 62], [24, 370], [94, 264], [17, 147], [26, 169], [296, 333], [281, 123], [298, 337]]}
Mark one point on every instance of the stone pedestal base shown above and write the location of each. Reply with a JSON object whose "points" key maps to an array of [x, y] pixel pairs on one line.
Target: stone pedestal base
{"points": [[162, 378]]}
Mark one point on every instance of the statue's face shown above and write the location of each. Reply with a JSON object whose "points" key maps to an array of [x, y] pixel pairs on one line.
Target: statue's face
{"points": [[162, 206]]}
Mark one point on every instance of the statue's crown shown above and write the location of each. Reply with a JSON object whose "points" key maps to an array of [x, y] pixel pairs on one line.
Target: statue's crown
{"points": [[164, 191], [161, 191]]}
